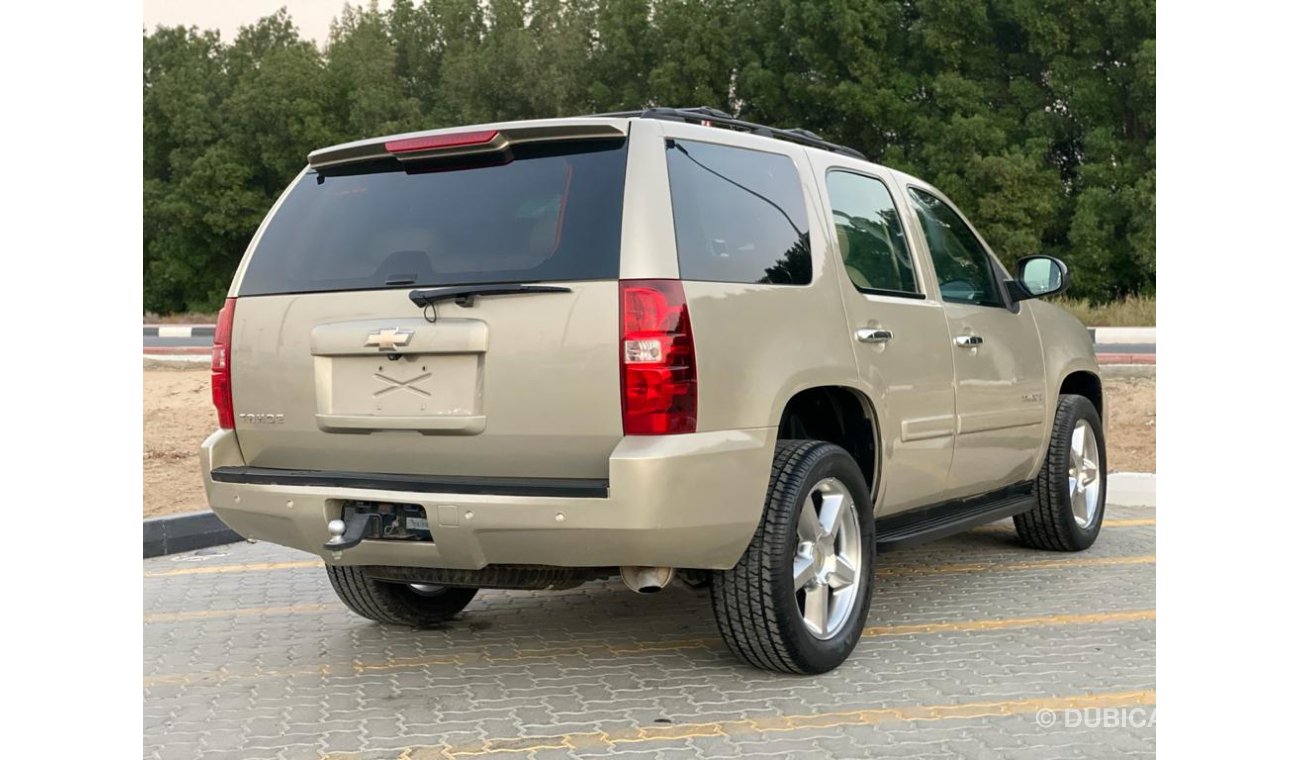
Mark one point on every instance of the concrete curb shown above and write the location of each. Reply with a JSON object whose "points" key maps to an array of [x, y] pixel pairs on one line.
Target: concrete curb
{"points": [[187, 532], [1126, 358], [1131, 489], [152, 362], [1123, 334], [179, 331]]}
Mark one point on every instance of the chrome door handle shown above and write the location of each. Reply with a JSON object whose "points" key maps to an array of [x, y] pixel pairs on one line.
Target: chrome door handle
{"points": [[874, 335], [968, 341]]}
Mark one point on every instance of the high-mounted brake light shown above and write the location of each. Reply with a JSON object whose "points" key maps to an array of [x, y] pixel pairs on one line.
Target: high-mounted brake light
{"points": [[221, 396], [657, 358], [439, 142]]}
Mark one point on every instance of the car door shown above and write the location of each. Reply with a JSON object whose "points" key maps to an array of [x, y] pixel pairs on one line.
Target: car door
{"points": [[900, 336], [997, 356]]}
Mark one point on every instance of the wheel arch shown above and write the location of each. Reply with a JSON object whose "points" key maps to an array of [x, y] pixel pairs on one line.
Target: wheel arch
{"points": [[1081, 379], [1084, 383], [838, 414]]}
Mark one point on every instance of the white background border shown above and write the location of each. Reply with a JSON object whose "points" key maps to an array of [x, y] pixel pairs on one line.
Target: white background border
{"points": [[1229, 269]]}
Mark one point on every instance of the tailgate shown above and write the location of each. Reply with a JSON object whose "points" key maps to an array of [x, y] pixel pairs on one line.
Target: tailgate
{"points": [[522, 386], [334, 367]]}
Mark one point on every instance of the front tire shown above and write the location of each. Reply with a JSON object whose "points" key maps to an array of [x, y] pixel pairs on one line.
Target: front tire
{"points": [[405, 604], [797, 600], [1070, 490]]}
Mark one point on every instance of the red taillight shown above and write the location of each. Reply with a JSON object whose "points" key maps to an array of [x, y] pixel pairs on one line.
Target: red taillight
{"points": [[657, 358], [221, 366], [437, 142]]}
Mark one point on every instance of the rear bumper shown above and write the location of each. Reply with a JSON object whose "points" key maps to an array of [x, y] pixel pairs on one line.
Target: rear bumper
{"points": [[679, 501]]}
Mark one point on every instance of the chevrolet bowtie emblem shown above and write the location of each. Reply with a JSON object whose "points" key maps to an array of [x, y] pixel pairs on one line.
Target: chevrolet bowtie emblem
{"points": [[389, 338]]}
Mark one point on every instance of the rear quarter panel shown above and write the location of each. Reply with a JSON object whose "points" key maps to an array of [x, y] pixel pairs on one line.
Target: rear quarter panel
{"points": [[759, 345], [756, 345]]}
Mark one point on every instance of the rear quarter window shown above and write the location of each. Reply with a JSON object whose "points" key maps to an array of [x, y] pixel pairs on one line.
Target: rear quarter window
{"points": [[739, 215], [544, 212]]}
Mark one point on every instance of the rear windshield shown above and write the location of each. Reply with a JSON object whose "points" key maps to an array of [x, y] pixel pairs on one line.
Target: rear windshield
{"points": [[542, 213]]}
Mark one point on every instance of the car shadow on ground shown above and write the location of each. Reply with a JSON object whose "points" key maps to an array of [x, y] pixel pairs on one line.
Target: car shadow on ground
{"points": [[603, 619]]}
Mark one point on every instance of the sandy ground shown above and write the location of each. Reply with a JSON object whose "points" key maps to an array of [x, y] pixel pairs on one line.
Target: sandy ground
{"points": [[1131, 427], [178, 415]]}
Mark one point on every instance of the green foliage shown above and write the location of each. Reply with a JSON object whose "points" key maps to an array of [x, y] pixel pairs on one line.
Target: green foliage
{"points": [[1036, 116]]}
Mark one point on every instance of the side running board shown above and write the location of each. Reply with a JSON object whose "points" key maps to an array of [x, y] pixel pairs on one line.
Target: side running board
{"points": [[931, 523]]}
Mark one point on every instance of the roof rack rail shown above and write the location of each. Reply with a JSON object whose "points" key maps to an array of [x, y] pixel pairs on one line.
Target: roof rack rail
{"points": [[714, 117]]}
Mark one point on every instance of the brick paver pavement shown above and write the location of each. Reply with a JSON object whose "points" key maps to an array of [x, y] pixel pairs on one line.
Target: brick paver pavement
{"points": [[974, 645]]}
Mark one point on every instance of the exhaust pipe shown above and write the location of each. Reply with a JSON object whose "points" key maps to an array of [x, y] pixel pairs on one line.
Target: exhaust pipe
{"points": [[646, 580]]}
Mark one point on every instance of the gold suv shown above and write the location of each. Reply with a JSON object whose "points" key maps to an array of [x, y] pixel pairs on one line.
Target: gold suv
{"points": [[662, 344]]}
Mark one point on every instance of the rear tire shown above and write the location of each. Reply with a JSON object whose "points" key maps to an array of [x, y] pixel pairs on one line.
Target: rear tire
{"points": [[1070, 489], [403, 604], [763, 612]]}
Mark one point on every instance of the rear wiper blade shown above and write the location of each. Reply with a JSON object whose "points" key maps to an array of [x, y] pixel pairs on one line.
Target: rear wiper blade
{"points": [[464, 294]]}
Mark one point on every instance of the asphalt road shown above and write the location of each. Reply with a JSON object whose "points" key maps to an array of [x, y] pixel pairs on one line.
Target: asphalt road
{"points": [[201, 341], [976, 647], [1126, 348]]}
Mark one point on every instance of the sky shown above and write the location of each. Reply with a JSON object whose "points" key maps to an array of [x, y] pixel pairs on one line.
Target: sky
{"points": [[312, 16]]}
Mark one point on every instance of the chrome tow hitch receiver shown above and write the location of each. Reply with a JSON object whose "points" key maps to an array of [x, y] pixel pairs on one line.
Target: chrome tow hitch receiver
{"points": [[347, 534]]}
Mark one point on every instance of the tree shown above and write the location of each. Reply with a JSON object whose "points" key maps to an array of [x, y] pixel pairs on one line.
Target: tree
{"points": [[622, 55], [696, 55], [184, 83], [1037, 117], [364, 95]]}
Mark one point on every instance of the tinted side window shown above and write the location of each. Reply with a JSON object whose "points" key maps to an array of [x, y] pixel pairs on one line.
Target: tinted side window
{"points": [[739, 215], [965, 272], [870, 234]]}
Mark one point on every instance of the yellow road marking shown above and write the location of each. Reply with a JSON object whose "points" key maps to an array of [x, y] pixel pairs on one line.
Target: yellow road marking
{"points": [[292, 609], [881, 572], [742, 727], [1134, 522], [997, 624], [298, 565], [999, 566], [602, 648], [247, 568]]}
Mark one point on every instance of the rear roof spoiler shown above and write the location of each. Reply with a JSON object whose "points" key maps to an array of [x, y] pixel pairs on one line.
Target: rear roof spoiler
{"points": [[461, 141]]}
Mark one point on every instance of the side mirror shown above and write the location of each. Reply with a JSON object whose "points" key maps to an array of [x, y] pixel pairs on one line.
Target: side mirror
{"points": [[1038, 276]]}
